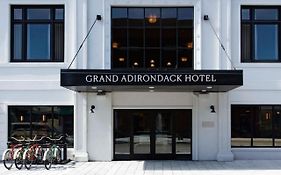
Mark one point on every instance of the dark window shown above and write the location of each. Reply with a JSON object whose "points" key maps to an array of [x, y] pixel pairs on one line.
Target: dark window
{"points": [[52, 121], [152, 38], [260, 34], [37, 33], [255, 126]]}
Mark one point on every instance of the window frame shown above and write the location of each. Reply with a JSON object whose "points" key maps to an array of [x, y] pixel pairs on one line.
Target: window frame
{"points": [[252, 22], [257, 113], [161, 48], [24, 22]]}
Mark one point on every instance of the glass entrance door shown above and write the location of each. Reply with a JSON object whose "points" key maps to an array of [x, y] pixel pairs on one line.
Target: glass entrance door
{"points": [[152, 134]]}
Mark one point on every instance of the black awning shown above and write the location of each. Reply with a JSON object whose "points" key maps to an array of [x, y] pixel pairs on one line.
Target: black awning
{"points": [[90, 80]]}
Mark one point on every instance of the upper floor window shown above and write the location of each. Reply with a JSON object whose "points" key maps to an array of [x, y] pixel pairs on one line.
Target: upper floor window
{"points": [[37, 33], [260, 34], [152, 38]]}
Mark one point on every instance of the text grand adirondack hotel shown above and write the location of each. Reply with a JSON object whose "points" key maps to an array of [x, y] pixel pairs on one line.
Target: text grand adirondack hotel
{"points": [[174, 79]]}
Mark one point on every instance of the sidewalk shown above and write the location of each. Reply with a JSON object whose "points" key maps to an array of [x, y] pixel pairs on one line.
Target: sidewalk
{"points": [[238, 167]]}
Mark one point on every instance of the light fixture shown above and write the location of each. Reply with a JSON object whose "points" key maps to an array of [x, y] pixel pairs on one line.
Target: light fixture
{"points": [[92, 109], [101, 92], [184, 59], [189, 45], [151, 87], [169, 63], [152, 19], [212, 107], [44, 118], [21, 118], [152, 65], [136, 63], [94, 87], [152, 61], [121, 59], [203, 90], [114, 45], [209, 87], [267, 116]]}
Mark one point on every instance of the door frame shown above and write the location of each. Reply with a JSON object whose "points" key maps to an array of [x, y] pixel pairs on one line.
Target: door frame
{"points": [[153, 155]]}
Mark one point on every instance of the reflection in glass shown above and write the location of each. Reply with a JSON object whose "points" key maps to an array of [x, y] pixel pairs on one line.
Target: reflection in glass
{"points": [[119, 16], [266, 42], [245, 14], [41, 121], [163, 133], [142, 131], [185, 36], [38, 13], [185, 16], [246, 42], [136, 16], [152, 16], [183, 133], [168, 16], [59, 42], [263, 127], [266, 14], [277, 125], [38, 41], [241, 125], [17, 41], [59, 13], [17, 13], [122, 133]]}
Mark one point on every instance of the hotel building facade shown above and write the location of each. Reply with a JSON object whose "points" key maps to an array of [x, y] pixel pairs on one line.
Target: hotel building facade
{"points": [[162, 79]]}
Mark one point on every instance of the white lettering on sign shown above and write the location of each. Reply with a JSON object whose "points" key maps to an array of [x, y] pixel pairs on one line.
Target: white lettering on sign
{"points": [[150, 78]]}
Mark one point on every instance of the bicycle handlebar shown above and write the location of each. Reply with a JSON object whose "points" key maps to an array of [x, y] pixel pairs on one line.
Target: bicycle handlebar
{"points": [[18, 139], [59, 139]]}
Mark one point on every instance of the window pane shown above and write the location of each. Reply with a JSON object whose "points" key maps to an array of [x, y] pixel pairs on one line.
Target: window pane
{"points": [[241, 122], [169, 16], [245, 14], [266, 14], [169, 37], [185, 58], [185, 38], [152, 16], [119, 58], [119, 38], [19, 122], [136, 16], [246, 42], [17, 42], [38, 14], [122, 131], [152, 58], [185, 16], [136, 37], [64, 123], [263, 127], [41, 121], [266, 42], [59, 42], [163, 133], [17, 13], [119, 16], [38, 41], [152, 37], [277, 125], [136, 58], [59, 13], [169, 58]]}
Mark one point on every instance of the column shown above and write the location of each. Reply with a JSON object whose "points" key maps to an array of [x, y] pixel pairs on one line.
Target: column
{"points": [[80, 127], [224, 128], [3, 127]]}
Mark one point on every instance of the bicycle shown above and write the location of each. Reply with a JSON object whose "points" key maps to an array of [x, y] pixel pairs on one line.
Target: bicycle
{"points": [[34, 153], [53, 154], [11, 155]]}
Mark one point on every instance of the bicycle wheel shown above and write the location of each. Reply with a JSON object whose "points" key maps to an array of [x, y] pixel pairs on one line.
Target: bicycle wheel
{"points": [[48, 159], [8, 160], [19, 159], [58, 155], [29, 159]]}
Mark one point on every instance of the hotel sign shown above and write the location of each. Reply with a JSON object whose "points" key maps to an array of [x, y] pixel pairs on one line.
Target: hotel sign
{"points": [[149, 78], [88, 77]]}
